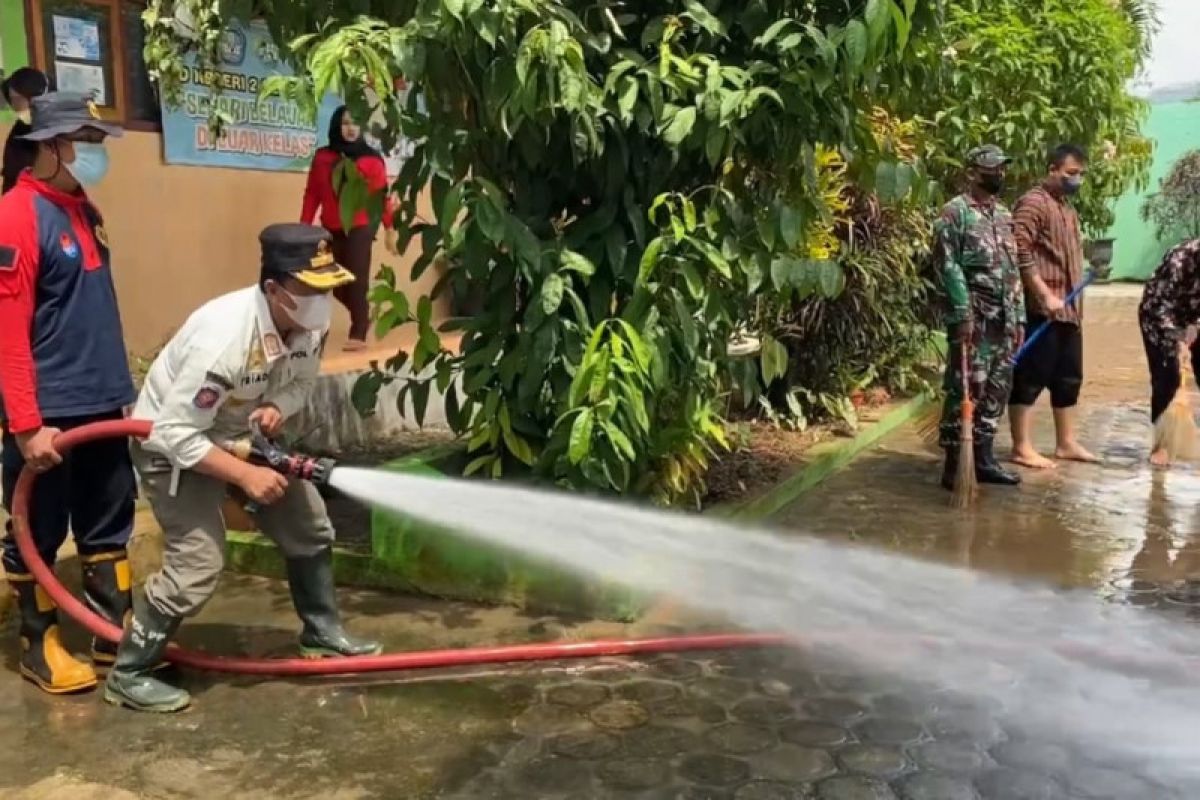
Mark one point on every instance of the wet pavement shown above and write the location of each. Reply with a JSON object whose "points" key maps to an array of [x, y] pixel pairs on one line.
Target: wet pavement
{"points": [[751, 725]]}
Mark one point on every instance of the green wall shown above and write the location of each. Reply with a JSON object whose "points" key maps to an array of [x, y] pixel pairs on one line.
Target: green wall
{"points": [[1175, 128], [12, 39]]}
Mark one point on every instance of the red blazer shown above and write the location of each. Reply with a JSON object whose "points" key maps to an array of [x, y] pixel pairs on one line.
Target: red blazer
{"points": [[320, 194]]}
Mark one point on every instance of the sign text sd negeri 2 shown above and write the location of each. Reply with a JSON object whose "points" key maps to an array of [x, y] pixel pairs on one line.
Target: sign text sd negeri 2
{"points": [[289, 131]]}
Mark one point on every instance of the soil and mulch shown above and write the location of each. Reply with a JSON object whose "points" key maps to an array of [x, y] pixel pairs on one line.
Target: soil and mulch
{"points": [[763, 454]]}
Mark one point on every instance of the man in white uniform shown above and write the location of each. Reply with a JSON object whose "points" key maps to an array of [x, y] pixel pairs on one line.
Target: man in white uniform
{"points": [[248, 357]]}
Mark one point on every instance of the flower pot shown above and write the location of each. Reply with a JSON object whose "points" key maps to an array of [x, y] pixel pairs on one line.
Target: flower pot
{"points": [[1099, 252]]}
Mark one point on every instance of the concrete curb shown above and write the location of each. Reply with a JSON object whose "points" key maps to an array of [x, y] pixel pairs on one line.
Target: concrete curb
{"points": [[827, 459]]}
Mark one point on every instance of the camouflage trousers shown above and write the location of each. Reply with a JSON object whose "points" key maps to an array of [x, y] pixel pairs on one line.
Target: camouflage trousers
{"points": [[989, 359]]}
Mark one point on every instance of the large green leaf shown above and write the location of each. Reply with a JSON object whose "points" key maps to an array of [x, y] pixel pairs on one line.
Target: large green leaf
{"points": [[773, 359], [877, 17], [680, 126], [649, 260], [574, 262], [552, 293], [791, 224], [581, 436], [856, 44]]}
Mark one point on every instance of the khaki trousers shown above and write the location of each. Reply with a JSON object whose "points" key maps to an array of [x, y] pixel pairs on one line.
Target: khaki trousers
{"points": [[194, 531]]}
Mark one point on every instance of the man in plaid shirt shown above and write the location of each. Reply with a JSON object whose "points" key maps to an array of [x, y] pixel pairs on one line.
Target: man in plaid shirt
{"points": [[1050, 254]]}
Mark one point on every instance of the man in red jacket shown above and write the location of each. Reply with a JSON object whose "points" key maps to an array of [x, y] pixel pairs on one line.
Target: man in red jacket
{"points": [[63, 364]]}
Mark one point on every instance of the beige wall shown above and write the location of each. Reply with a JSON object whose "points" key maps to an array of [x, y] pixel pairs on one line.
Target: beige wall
{"points": [[183, 235]]}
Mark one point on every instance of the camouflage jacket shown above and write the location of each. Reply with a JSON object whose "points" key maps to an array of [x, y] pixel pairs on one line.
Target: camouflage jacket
{"points": [[976, 251]]}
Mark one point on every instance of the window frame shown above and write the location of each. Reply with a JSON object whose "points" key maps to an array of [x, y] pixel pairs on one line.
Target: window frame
{"points": [[39, 57]]}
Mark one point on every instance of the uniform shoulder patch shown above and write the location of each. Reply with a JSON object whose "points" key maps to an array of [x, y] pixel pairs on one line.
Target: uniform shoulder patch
{"points": [[8, 257], [211, 391], [207, 397]]}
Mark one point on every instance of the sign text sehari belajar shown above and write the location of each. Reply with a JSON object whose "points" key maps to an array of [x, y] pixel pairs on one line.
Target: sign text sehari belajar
{"points": [[269, 134]]}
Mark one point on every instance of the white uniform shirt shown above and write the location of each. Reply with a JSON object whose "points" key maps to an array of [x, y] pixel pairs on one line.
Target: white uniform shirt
{"points": [[227, 360]]}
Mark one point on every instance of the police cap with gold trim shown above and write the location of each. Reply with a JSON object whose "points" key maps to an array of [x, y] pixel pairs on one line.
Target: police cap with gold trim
{"points": [[302, 252]]}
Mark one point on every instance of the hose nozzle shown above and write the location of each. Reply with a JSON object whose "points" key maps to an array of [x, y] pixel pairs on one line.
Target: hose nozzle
{"points": [[258, 449]]}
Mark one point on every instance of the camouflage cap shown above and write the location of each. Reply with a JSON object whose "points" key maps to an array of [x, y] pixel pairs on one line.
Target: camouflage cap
{"points": [[988, 156]]}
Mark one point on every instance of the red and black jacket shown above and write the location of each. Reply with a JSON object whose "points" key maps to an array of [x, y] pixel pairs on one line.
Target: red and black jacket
{"points": [[321, 194], [62, 351]]}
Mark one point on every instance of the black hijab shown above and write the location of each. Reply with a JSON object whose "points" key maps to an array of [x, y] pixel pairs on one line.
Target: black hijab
{"points": [[338, 144]]}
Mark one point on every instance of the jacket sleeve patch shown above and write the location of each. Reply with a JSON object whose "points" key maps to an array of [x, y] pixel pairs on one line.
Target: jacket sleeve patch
{"points": [[207, 397], [211, 392]]}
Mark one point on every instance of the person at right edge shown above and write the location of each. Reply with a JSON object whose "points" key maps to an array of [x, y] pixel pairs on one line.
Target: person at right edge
{"points": [[62, 365], [352, 245], [1168, 315], [1050, 252], [976, 254]]}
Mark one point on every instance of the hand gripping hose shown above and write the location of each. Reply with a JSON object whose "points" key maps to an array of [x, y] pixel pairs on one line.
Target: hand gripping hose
{"points": [[387, 662]]}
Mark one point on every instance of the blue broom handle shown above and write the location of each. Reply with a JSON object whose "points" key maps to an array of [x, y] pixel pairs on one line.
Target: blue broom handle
{"points": [[1040, 329]]}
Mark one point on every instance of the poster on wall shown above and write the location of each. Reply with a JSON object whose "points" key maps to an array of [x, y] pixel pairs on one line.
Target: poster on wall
{"points": [[77, 39], [270, 134], [82, 78]]}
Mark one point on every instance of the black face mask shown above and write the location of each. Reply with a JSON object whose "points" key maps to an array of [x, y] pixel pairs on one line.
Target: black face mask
{"points": [[992, 184]]}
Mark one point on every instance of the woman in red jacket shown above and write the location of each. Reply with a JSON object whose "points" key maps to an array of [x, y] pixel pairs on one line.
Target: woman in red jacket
{"points": [[352, 248]]}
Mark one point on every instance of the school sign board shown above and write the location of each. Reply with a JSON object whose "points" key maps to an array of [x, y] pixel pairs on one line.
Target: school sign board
{"points": [[271, 134]]}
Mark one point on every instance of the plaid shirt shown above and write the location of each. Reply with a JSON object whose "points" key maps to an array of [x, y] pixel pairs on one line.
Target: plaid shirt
{"points": [[1171, 299], [1049, 245]]}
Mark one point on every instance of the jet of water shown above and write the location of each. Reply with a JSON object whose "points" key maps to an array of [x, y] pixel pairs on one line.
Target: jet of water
{"points": [[1107, 678]]}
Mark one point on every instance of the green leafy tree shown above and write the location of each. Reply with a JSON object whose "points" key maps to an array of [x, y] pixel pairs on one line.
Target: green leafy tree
{"points": [[1175, 209], [617, 180], [1030, 75]]}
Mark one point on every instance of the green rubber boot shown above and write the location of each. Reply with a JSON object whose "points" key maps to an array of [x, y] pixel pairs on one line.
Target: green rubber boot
{"points": [[313, 595], [129, 682]]}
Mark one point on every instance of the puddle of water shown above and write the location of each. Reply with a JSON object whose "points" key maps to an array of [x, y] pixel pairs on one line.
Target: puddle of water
{"points": [[1062, 663]]}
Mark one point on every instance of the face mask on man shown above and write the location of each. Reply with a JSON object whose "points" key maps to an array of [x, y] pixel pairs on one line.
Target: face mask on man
{"points": [[1071, 184], [90, 164], [312, 312], [991, 182]]}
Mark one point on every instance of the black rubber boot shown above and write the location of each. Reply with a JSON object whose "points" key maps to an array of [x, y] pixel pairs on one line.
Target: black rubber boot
{"points": [[44, 660], [315, 599], [129, 682], [988, 469], [106, 584], [950, 470]]}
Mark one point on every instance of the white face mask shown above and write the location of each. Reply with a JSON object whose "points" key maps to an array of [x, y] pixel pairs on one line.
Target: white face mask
{"points": [[312, 312]]}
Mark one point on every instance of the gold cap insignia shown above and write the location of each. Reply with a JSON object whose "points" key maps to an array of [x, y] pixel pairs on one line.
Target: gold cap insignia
{"points": [[92, 110], [324, 256]]}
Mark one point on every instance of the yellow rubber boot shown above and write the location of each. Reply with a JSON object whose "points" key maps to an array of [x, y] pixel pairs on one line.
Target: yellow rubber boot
{"points": [[44, 660]]}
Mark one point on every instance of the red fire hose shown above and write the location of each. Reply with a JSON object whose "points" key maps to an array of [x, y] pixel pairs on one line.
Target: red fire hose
{"points": [[387, 662]]}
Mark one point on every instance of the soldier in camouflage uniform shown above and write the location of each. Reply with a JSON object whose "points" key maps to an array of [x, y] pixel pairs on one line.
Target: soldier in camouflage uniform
{"points": [[977, 256]]}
